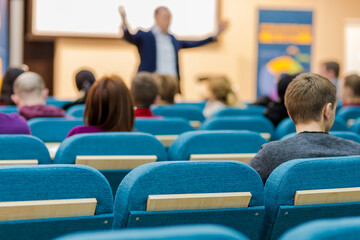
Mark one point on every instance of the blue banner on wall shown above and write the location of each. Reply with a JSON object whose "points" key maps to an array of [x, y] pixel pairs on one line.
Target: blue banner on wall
{"points": [[285, 39], [4, 50]]}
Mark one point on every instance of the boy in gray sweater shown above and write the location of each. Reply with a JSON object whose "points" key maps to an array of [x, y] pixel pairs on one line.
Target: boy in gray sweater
{"points": [[310, 100]]}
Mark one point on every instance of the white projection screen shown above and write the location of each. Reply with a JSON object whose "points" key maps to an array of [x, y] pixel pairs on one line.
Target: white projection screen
{"points": [[100, 18]]}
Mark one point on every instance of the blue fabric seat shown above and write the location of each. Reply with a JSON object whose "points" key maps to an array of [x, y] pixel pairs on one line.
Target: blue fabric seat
{"points": [[237, 112], [191, 113], [334, 229], [350, 112], [186, 178], [308, 174], [287, 126], [258, 124], [23, 147], [342, 134], [8, 109], [214, 142], [189, 232], [49, 182], [356, 126], [76, 111], [164, 126], [200, 105], [56, 102], [120, 143], [52, 129]]}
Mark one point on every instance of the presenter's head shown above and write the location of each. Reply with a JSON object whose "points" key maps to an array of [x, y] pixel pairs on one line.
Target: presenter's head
{"points": [[163, 18]]}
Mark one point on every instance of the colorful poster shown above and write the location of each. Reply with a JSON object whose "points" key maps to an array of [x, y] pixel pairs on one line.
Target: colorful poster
{"points": [[285, 39], [3, 37]]}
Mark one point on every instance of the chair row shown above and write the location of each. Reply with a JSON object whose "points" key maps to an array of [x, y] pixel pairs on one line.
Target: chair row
{"points": [[177, 193]]}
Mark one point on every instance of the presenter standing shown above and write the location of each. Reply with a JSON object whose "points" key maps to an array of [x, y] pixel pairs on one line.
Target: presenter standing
{"points": [[158, 48]]}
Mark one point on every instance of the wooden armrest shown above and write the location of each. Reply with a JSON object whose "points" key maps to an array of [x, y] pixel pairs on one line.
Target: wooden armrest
{"points": [[52, 148], [19, 162], [115, 162], [167, 140], [195, 124], [242, 157], [323, 196], [198, 201], [267, 136], [21, 210]]}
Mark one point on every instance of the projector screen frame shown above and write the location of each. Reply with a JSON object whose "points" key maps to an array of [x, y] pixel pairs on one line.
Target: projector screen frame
{"points": [[32, 36]]}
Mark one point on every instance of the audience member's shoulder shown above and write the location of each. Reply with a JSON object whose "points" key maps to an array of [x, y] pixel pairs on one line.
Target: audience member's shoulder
{"points": [[13, 123], [83, 129]]}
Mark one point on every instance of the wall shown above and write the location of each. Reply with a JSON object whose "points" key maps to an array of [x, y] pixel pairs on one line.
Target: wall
{"points": [[235, 54]]}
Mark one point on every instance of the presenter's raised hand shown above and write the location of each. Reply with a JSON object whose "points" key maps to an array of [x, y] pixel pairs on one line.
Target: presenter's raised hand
{"points": [[223, 25], [122, 13]]}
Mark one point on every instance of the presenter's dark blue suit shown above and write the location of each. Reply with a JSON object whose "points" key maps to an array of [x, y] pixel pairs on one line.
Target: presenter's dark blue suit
{"points": [[146, 45]]}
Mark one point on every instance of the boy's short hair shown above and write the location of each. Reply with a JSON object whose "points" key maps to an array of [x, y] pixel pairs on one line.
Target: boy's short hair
{"points": [[306, 96], [144, 89], [353, 82], [168, 87], [29, 84], [333, 66]]}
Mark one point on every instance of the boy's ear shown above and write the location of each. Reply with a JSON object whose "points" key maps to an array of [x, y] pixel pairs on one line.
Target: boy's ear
{"points": [[45, 93], [157, 99], [15, 99], [327, 110]]}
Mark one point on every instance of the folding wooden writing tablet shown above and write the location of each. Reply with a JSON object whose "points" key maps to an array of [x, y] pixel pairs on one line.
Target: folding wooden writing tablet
{"points": [[323, 196], [115, 162], [198, 201], [52, 148], [19, 162], [242, 157], [267, 136], [195, 124], [167, 140], [22, 210]]}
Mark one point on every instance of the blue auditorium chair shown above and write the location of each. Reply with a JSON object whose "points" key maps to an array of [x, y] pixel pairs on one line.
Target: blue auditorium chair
{"points": [[76, 111], [113, 150], [356, 126], [49, 182], [192, 113], [8, 109], [349, 114], [216, 145], [23, 149], [238, 112], [287, 126], [288, 204], [165, 129], [258, 124], [53, 130], [134, 206], [342, 134], [56, 102], [188, 232], [200, 105], [334, 229]]}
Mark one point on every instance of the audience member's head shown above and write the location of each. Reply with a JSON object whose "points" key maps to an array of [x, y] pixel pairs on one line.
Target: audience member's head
{"points": [[330, 70], [220, 90], [84, 79], [7, 88], [29, 90], [350, 94], [163, 18], [168, 87], [144, 89], [109, 105], [311, 99], [284, 82]]}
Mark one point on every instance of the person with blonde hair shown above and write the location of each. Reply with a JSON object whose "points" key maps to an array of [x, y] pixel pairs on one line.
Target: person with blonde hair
{"points": [[220, 95]]}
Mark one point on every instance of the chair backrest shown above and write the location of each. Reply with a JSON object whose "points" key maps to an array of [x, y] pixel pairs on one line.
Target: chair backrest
{"points": [[76, 111], [200, 105], [23, 147], [348, 113], [57, 103], [163, 126], [52, 129], [189, 178], [114, 154], [189, 232], [191, 113], [8, 109], [238, 112], [214, 142], [308, 174], [287, 126], [258, 124], [342, 134], [334, 229], [49, 182], [356, 126]]}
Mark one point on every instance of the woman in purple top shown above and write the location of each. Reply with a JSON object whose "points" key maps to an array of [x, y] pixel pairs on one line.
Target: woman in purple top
{"points": [[13, 123], [109, 107]]}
